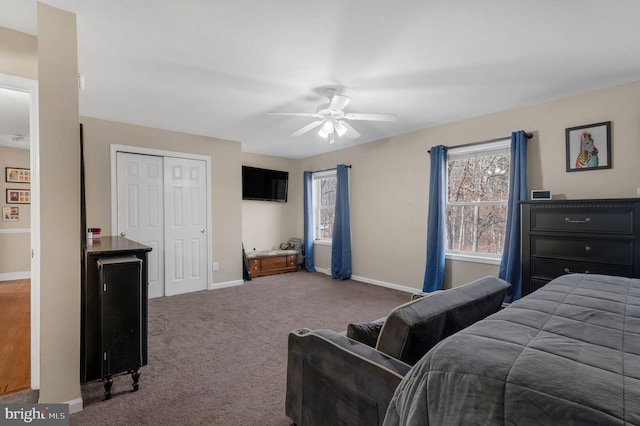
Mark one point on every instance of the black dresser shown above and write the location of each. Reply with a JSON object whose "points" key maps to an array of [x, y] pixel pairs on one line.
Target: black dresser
{"points": [[114, 310], [579, 236]]}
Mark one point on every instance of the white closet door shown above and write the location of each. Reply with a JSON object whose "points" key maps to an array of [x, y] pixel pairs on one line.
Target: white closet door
{"points": [[185, 189], [140, 210]]}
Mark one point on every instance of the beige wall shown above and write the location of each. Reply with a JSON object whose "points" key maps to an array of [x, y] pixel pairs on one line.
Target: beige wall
{"points": [[59, 147], [390, 178], [225, 182], [15, 247], [387, 181], [265, 225], [18, 54]]}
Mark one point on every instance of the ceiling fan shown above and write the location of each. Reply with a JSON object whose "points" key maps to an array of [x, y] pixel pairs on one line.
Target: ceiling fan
{"points": [[331, 118]]}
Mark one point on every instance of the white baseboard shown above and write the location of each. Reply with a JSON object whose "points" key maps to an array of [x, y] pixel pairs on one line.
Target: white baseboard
{"points": [[214, 286], [15, 231], [375, 282], [75, 405], [15, 276], [386, 284]]}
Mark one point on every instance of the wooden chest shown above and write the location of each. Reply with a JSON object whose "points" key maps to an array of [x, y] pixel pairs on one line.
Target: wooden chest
{"points": [[272, 262]]}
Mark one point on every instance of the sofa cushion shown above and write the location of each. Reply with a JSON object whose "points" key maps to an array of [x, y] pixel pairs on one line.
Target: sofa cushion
{"points": [[412, 329], [366, 332]]}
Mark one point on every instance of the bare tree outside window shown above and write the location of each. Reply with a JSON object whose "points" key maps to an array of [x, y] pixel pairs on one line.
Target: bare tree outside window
{"points": [[325, 206], [476, 213]]}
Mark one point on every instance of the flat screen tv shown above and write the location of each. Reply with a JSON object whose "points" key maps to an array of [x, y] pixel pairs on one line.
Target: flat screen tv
{"points": [[264, 184]]}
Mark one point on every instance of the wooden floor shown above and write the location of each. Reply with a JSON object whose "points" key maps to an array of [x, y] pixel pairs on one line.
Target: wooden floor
{"points": [[15, 336]]}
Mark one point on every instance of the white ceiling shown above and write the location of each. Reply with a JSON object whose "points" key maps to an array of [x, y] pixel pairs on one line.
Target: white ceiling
{"points": [[216, 68]]}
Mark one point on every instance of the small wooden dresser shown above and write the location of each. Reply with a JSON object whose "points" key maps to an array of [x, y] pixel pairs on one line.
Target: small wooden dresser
{"points": [[579, 236]]}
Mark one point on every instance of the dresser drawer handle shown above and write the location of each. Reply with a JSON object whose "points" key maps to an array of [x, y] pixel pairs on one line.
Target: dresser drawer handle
{"points": [[586, 220], [587, 248], [568, 271]]}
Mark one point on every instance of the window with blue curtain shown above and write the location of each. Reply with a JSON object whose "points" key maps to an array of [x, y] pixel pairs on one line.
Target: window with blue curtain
{"points": [[436, 230], [511, 263], [341, 240], [308, 222], [472, 212]]}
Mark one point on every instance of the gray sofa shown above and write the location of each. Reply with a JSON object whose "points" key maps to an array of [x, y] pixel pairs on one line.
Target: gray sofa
{"points": [[347, 379]]}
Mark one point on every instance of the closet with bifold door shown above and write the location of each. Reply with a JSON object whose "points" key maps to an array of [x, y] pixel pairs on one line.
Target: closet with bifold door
{"points": [[162, 202]]}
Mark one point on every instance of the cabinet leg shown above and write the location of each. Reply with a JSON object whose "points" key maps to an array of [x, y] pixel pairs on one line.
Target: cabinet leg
{"points": [[108, 382], [135, 375]]}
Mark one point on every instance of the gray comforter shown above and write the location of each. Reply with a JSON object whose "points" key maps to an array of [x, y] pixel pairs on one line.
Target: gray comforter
{"points": [[567, 354]]}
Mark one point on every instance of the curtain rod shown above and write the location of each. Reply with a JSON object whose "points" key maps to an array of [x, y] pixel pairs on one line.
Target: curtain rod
{"points": [[326, 170], [528, 135]]}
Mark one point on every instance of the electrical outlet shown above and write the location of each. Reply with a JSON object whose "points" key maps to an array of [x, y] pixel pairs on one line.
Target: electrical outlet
{"points": [[216, 266]]}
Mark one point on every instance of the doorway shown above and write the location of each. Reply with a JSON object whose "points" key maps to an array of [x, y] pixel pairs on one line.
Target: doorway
{"points": [[162, 199], [29, 87]]}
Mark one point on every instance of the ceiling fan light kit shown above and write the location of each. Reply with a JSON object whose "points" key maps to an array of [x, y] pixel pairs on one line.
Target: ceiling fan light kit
{"points": [[331, 118]]}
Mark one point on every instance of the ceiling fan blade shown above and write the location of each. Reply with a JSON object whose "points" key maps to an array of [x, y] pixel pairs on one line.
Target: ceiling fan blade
{"points": [[297, 114], [370, 117], [339, 102], [351, 132], [307, 128]]}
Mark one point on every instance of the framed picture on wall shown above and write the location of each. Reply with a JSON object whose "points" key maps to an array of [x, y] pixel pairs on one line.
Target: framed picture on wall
{"points": [[17, 175], [589, 147], [10, 214], [18, 196]]}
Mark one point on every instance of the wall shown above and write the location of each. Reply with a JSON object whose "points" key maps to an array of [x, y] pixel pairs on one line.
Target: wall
{"points": [[265, 225], [59, 148], [225, 186], [18, 57], [389, 178], [18, 54], [15, 238]]}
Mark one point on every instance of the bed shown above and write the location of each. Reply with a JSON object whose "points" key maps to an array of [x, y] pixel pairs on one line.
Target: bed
{"points": [[566, 354]]}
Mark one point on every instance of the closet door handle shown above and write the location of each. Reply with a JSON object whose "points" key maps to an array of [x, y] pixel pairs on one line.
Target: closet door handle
{"points": [[123, 234], [586, 220]]}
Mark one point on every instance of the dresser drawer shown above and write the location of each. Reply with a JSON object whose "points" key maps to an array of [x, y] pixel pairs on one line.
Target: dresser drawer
{"points": [[587, 249], [611, 220], [273, 262], [546, 269]]}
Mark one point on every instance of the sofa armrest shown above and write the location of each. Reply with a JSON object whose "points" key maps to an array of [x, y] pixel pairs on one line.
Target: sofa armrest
{"points": [[332, 379]]}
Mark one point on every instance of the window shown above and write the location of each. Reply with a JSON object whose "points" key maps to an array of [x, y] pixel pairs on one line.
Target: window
{"points": [[324, 203], [477, 195]]}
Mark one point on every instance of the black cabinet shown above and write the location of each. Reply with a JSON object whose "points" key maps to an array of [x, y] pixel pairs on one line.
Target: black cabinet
{"points": [[114, 310], [579, 236]]}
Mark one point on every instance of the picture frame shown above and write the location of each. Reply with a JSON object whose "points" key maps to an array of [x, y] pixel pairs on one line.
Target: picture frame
{"points": [[588, 147], [17, 175], [18, 196], [10, 214]]}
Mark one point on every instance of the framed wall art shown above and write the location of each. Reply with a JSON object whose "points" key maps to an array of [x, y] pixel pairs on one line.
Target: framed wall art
{"points": [[17, 175], [589, 147], [18, 196], [10, 214]]}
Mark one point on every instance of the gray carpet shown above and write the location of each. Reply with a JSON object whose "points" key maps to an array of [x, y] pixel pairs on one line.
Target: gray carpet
{"points": [[219, 357]]}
